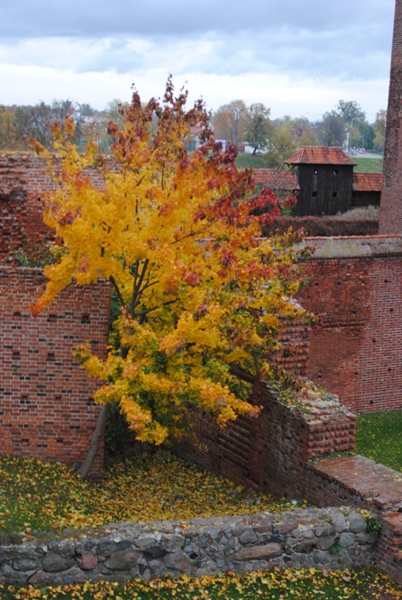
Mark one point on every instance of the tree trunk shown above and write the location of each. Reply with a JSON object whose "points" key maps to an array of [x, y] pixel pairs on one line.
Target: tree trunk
{"points": [[97, 437]]}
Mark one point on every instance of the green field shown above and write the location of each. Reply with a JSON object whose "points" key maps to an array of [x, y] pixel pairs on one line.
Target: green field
{"points": [[367, 165], [364, 165], [244, 161]]}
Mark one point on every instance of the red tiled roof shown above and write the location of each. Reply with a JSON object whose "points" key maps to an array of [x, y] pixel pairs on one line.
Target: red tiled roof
{"points": [[276, 179], [367, 182], [319, 156]]}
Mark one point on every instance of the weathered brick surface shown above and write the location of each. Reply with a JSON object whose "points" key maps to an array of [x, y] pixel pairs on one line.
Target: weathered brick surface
{"points": [[271, 453], [324, 226], [24, 181], [46, 408], [295, 343], [22, 185], [359, 481], [389, 550], [355, 293], [391, 198]]}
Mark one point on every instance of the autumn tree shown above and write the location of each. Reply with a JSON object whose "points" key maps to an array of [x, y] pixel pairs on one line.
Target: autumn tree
{"points": [[179, 238], [281, 145], [332, 131], [230, 122], [258, 128], [379, 128], [36, 121], [303, 132], [8, 136]]}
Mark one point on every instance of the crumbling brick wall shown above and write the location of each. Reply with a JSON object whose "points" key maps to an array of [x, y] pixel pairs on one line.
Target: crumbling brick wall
{"points": [[23, 182], [271, 453]]}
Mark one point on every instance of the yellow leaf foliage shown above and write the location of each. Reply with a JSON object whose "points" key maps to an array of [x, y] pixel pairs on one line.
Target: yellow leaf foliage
{"points": [[179, 236]]}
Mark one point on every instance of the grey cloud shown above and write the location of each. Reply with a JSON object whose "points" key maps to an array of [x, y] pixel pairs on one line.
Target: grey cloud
{"points": [[24, 18], [316, 54], [349, 39]]}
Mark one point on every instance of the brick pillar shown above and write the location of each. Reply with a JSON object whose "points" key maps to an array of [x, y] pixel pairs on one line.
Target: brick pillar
{"points": [[391, 197]]}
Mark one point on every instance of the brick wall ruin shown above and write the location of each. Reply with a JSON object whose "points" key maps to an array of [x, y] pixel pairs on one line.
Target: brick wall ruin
{"points": [[271, 453]]}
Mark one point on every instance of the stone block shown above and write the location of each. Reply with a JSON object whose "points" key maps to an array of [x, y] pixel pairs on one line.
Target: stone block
{"points": [[259, 552], [122, 559]]}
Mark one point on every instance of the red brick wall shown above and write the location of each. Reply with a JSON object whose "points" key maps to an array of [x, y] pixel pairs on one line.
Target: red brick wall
{"points": [[324, 226], [24, 180], [272, 452], [46, 408], [355, 293], [294, 339], [22, 184], [391, 196]]}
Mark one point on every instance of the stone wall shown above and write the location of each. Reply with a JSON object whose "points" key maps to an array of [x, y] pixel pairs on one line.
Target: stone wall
{"points": [[320, 538], [46, 406]]}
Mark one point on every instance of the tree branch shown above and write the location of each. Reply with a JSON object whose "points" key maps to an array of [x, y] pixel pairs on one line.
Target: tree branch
{"points": [[138, 280], [145, 312], [117, 290]]}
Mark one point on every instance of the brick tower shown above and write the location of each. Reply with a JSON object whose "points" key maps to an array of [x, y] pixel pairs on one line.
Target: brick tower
{"points": [[391, 197]]}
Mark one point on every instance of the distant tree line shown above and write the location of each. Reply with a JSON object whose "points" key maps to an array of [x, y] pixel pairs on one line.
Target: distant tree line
{"points": [[345, 126], [20, 124], [235, 122]]}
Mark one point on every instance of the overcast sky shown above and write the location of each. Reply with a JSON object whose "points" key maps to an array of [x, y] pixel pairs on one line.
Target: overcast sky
{"points": [[298, 57]]}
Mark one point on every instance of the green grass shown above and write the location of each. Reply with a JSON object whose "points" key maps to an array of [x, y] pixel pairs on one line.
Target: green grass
{"points": [[367, 165], [307, 584], [244, 161], [379, 437], [152, 485]]}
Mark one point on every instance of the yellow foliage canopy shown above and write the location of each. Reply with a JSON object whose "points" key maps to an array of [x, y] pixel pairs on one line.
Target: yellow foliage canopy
{"points": [[178, 235]]}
